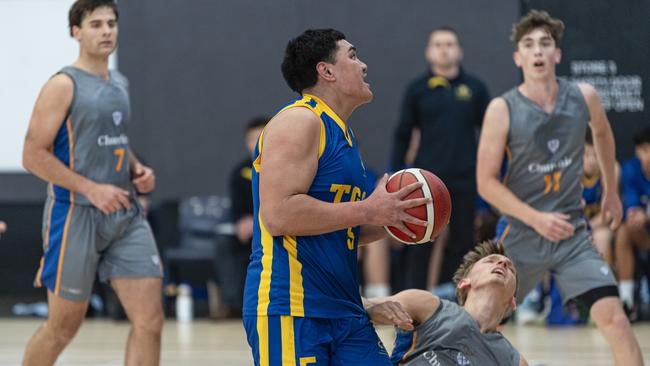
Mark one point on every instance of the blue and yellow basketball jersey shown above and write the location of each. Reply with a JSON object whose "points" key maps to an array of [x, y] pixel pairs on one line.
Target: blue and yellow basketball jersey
{"points": [[591, 195], [635, 186], [310, 276]]}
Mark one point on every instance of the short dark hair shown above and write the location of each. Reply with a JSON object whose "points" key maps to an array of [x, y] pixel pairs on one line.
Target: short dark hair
{"points": [[304, 52], [538, 19], [256, 122], [446, 28], [642, 136], [81, 8], [479, 252]]}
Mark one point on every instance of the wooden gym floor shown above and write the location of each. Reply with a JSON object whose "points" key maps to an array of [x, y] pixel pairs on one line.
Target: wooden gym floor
{"points": [[101, 342]]}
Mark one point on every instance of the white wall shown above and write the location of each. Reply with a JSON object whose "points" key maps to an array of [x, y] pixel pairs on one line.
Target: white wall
{"points": [[34, 44]]}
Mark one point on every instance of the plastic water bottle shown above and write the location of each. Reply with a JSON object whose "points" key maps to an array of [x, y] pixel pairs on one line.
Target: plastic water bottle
{"points": [[184, 305], [37, 309]]}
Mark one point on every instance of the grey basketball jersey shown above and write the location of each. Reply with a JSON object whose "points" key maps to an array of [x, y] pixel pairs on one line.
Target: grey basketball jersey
{"points": [[92, 139], [544, 151], [452, 337]]}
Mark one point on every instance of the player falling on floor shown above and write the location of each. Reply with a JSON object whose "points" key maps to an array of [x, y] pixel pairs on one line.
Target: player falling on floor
{"points": [[466, 333]]}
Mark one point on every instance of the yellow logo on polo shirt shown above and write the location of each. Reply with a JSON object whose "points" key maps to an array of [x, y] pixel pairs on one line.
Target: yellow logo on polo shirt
{"points": [[437, 81], [246, 173], [463, 92]]}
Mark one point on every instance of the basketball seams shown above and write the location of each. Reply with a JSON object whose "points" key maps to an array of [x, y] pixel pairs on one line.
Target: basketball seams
{"points": [[401, 179], [399, 186], [440, 205], [426, 190]]}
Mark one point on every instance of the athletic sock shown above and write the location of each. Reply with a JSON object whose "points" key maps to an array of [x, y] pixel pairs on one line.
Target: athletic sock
{"points": [[626, 291], [377, 290]]}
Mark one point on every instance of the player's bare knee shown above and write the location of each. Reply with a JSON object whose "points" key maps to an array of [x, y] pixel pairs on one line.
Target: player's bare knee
{"points": [[613, 317], [150, 322], [62, 333], [620, 323]]}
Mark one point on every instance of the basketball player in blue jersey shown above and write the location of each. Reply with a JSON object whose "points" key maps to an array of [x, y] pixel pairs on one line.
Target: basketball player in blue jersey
{"points": [[634, 233], [592, 191], [92, 224], [541, 125], [301, 300]]}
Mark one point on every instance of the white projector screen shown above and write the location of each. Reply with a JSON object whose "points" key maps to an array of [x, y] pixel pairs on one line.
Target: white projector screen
{"points": [[35, 44]]}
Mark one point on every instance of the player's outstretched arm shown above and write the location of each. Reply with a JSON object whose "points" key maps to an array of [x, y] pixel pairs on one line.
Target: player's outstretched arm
{"points": [[287, 167], [418, 304], [492, 145], [48, 116], [606, 153], [387, 312]]}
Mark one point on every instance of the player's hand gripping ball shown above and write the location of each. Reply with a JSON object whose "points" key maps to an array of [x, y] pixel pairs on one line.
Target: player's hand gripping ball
{"points": [[436, 213]]}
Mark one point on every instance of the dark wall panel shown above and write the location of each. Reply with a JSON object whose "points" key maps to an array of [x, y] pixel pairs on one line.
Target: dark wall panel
{"points": [[199, 72], [607, 43], [20, 248], [200, 69]]}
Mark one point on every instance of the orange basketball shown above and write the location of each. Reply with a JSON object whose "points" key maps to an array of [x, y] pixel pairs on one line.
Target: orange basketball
{"points": [[436, 213]]}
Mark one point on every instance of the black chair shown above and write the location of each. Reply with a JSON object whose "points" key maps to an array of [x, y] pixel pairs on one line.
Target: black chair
{"points": [[203, 221]]}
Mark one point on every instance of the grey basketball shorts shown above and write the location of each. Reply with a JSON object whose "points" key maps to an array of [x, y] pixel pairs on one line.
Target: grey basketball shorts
{"points": [[574, 263], [80, 241]]}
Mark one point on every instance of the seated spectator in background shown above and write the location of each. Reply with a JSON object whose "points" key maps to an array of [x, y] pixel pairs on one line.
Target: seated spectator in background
{"points": [[465, 334], [3, 227], [634, 231], [232, 256], [591, 195]]}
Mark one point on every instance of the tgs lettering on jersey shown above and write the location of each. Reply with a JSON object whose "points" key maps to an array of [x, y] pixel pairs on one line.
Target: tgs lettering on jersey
{"points": [[351, 194], [345, 189]]}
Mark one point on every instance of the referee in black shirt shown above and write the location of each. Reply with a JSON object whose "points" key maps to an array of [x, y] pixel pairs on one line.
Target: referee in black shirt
{"points": [[446, 105]]}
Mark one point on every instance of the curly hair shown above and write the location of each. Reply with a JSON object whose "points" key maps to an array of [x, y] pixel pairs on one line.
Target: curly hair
{"points": [[304, 52], [538, 19]]}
